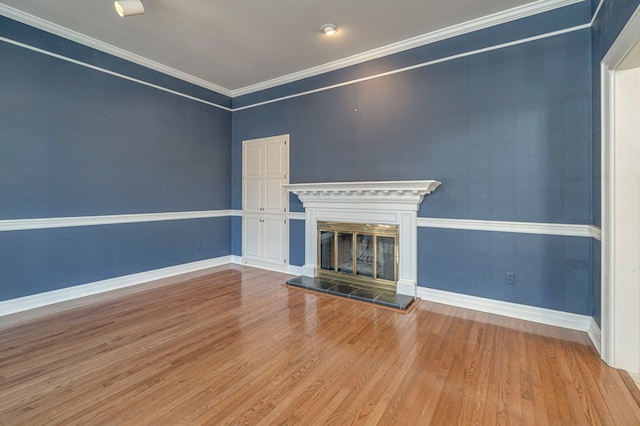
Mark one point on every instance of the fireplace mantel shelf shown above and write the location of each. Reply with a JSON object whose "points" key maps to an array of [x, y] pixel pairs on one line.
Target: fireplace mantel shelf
{"points": [[399, 191]]}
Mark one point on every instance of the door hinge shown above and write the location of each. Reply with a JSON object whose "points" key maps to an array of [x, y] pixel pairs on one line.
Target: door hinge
{"points": [[285, 261], [285, 176], [285, 221]]}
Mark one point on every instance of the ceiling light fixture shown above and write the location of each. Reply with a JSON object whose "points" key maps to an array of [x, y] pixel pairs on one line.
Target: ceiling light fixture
{"points": [[329, 29], [128, 7]]}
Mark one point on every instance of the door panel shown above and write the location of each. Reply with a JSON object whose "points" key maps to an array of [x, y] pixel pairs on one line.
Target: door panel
{"points": [[253, 161], [274, 160], [274, 196], [253, 199], [274, 243], [252, 237]]}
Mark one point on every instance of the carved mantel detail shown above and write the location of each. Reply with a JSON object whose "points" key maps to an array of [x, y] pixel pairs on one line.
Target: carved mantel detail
{"points": [[408, 193], [384, 202]]}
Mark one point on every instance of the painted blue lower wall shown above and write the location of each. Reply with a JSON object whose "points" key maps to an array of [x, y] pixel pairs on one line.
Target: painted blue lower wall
{"points": [[49, 259], [296, 242], [236, 236], [551, 272]]}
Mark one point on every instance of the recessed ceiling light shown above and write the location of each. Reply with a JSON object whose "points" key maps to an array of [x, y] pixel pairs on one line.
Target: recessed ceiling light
{"points": [[128, 7], [329, 29]]}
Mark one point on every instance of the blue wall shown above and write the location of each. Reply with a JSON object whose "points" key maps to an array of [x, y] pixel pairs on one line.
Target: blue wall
{"points": [[75, 141], [507, 131], [513, 134], [551, 271], [49, 259]]}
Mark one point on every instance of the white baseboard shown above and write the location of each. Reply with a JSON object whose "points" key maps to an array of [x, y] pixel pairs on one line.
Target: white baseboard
{"points": [[595, 335], [514, 310], [294, 270], [291, 269], [62, 295]]}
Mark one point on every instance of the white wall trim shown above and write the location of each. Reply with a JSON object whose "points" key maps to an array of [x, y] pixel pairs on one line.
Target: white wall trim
{"points": [[56, 296], [291, 269], [297, 216], [595, 335], [494, 19], [416, 66], [294, 270], [513, 227], [595, 232], [61, 31], [570, 230], [508, 309], [66, 222]]}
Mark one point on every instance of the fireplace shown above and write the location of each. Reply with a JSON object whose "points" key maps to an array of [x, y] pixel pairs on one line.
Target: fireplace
{"points": [[367, 204], [361, 253]]}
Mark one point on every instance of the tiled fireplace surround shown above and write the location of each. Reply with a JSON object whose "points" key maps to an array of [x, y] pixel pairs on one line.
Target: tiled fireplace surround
{"points": [[384, 202]]}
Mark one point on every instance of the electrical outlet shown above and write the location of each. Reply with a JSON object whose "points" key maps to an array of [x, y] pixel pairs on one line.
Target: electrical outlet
{"points": [[510, 278], [198, 245]]}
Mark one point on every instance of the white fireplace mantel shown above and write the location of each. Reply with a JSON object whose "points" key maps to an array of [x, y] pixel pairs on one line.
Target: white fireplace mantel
{"points": [[385, 202]]}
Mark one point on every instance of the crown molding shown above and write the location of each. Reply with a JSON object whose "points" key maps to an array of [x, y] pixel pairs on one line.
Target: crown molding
{"points": [[85, 40], [494, 19]]}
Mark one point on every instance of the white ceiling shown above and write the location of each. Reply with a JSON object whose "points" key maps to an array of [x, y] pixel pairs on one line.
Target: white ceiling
{"points": [[235, 44]]}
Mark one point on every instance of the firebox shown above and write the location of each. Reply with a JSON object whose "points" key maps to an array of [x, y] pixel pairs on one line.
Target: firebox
{"points": [[362, 253]]}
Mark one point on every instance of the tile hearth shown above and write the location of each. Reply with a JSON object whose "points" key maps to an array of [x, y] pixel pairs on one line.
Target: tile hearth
{"points": [[361, 292]]}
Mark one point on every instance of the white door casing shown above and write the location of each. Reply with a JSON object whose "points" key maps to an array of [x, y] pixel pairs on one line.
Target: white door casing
{"points": [[620, 73]]}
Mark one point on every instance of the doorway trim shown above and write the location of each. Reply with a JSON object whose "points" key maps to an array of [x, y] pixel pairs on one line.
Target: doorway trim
{"points": [[620, 285]]}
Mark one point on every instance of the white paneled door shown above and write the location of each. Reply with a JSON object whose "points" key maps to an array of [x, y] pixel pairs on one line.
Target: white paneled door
{"points": [[265, 229]]}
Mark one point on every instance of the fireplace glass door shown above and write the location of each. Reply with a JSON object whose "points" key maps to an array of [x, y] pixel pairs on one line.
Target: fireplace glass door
{"points": [[360, 252]]}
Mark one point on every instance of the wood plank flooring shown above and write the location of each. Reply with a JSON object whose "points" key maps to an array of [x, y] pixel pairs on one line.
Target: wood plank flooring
{"points": [[237, 347]]}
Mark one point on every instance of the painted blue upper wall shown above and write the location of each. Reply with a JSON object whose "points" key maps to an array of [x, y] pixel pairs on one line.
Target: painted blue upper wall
{"points": [[507, 131], [76, 141], [34, 37], [543, 23]]}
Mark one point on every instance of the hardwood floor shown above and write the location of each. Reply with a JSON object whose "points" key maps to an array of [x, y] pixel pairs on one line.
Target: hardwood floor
{"points": [[237, 347]]}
